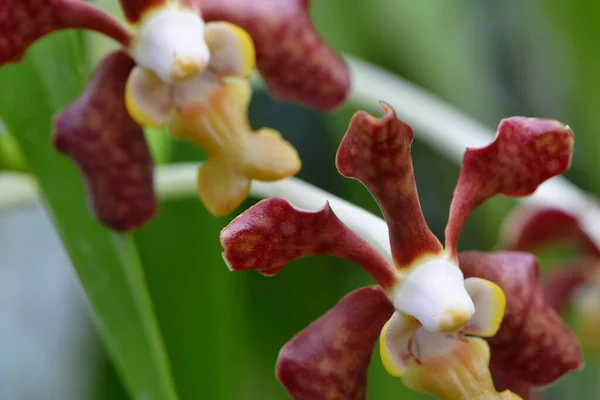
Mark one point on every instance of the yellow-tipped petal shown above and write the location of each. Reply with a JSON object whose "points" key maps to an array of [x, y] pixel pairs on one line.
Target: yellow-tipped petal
{"points": [[394, 343], [147, 98], [490, 302], [389, 363], [235, 153], [231, 49]]}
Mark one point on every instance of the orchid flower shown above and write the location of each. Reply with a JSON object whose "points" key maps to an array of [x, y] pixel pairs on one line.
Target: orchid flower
{"points": [[183, 62], [578, 280], [429, 317]]}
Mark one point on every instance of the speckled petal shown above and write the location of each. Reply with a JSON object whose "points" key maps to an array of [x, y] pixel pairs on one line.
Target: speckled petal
{"points": [[235, 153], [530, 228], [376, 151], [560, 284], [273, 233], [110, 148], [22, 22], [515, 385], [525, 153], [533, 343], [329, 360], [291, 56]]}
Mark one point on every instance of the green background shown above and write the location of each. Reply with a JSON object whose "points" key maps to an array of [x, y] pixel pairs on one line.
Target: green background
{"points": [[222, 331]]}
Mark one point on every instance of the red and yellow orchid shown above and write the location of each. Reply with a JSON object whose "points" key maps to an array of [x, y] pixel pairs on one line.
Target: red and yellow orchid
{"points": [[183, 62], [429, 317], [577, 281]]}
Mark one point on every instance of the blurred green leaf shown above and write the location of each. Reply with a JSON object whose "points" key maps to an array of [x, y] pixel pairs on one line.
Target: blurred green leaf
{"points": [[161, 144], [197, 300], [11, 156], [575, 49], [51, 76]]}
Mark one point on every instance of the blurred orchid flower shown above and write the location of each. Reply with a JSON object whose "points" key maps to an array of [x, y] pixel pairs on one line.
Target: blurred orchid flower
{"points": [[429, 317], [179, 66], [574, 281]]}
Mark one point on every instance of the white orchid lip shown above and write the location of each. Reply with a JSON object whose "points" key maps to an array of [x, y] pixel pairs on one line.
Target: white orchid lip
{"points": [[433, 292], [170, 41]]}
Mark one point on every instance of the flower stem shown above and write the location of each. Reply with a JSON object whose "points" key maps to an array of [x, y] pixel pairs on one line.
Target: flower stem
{"points": [[438, 123], [175, 181], [17, 189]]}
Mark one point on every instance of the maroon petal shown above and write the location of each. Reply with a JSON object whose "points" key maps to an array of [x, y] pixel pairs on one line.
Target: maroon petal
{"points": [[376, 151], [295, 62], [329, 360], [22, 22], [560, 284], [525, 153], [529, 228], [269, 235], [109, 147], [533, 343]]}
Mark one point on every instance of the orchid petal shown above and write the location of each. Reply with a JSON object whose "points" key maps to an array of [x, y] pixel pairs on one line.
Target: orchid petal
{"points": [[148, 99], [447, 366], [329, 360], [376, 151], [22, 22], [109, 147], [561, 284], [231, 49], [529, 228], [525, 153], [533, 343], [395, 343], [235, 153], [504, 381], [269, 235], [490, 303], [291, 56]]}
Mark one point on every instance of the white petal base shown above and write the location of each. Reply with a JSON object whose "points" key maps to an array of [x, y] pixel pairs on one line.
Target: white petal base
{"points": [[170, 42], [434, 293]]}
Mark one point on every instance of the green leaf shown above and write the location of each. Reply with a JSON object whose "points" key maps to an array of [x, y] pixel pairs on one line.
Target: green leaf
{"points": [[50, 77], [197, 300], [10, 154]]}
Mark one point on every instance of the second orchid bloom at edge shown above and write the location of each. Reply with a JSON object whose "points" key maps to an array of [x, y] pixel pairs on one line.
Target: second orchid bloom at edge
{"points": [[182, 63], [429, 317]]}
